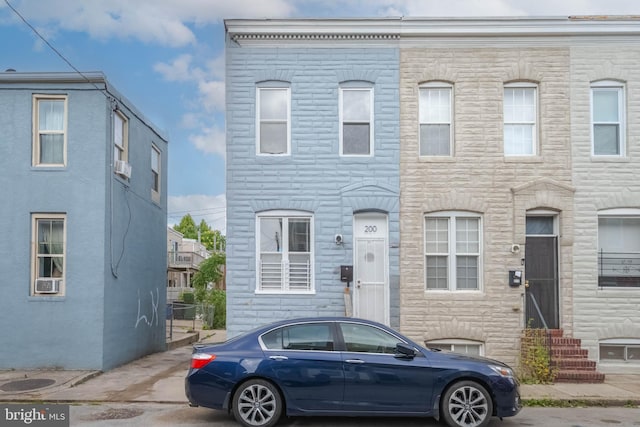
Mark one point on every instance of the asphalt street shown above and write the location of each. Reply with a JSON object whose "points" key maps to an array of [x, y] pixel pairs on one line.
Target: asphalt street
{"points": [[153, 414]]}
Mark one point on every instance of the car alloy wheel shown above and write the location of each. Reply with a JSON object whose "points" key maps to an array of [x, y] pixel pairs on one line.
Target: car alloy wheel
{"points": [[257, 403], [467, 404]]}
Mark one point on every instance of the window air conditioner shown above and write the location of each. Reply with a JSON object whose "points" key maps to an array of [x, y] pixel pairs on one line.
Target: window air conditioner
{"points": [[123, 168], [48, 286]]}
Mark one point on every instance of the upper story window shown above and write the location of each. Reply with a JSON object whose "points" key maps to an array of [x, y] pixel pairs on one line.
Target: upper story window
{"points": [[120, 137], [619, 248], [284, 242], [273, 120], [436, 130], [48, 254], [608, 118], [520, 116], [452, 251], [50, 130], [156, 163], [356, 121]]}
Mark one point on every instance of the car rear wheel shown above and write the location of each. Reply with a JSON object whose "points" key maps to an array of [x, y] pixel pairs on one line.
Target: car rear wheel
{"points": [[257, 403], [466, 404]]}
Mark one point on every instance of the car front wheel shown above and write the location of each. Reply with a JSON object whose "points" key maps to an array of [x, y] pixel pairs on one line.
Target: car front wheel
{"points": [[466, 404], [257, 403]]}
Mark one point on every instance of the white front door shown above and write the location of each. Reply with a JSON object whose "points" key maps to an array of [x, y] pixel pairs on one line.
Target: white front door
{"points": [[370, 267]]}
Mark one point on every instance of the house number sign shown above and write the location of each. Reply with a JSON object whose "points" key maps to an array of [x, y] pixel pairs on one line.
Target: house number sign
{"points": [[370, 228]]}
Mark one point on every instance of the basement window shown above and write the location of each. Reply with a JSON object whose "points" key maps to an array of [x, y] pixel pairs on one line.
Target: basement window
{"points": [[622, 350]]}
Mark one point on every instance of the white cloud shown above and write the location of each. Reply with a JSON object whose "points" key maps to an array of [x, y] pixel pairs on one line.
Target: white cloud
{"points": [[210, 208], [165, 22], [210, 140]]}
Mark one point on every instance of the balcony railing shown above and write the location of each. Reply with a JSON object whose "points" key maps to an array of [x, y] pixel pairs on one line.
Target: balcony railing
{"points": [[184, 260], [618, 270]]}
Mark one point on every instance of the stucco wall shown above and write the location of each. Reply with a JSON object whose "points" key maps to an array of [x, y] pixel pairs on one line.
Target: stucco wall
{"points": [[87, 327]]}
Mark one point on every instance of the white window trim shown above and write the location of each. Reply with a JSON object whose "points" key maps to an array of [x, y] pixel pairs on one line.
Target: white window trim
{"points": [[437, 85], [155, 194], [35, 117], [288, 214], [618, 342], [452, 279], [124, 148], [259, 89], [371, 120], [35, 217], [622, 114], [535, 143], [457, 341], [615, 213]]}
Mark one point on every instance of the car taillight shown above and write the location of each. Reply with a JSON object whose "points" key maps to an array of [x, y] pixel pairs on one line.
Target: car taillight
{"points": [[199, 360]]}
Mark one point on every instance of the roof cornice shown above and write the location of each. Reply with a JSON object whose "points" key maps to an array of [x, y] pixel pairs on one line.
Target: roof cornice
{"points": [[299, 31], [52, 77]]}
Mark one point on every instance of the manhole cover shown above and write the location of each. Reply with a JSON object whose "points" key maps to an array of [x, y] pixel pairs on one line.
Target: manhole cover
{"points": [[118, 414], [24, 385]]}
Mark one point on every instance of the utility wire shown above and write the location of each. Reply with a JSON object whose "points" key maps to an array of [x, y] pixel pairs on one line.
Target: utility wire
{"points": [[37, 33]]}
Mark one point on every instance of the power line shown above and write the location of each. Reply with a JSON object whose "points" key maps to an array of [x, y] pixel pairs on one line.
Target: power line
{"points": [[37, 33]]}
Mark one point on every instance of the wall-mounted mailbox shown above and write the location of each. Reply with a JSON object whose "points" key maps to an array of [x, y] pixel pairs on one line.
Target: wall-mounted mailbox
{"points": [[515, 278], [346, 273]]}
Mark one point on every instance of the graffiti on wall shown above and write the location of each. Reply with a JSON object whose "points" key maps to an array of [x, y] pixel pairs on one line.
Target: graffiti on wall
{"points": [[153, 314]]}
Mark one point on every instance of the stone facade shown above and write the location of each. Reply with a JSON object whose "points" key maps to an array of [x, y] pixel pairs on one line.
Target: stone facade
{"points": [[479, 178], [603, 183]]}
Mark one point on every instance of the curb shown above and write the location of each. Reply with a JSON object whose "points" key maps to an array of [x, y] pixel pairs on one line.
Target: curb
{"points": [[180, 342], [549, 402]]}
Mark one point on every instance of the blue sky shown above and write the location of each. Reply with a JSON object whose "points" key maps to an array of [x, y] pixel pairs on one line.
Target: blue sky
{"points": [[167, 57]]}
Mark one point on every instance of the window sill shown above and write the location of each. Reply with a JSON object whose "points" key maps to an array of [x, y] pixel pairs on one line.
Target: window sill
{"points": [[616, 292], [258, 292], [523, 159], [610, 159], [49, 168], [436, 159], [46, 298], [448, 294]]}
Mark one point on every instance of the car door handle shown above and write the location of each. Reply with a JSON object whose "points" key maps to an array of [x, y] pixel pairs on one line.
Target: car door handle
{"points": [[354, 361], [278, 357]]}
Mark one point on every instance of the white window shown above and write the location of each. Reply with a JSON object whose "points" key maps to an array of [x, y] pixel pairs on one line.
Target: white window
{"points": [[120, 137], [284, 252], [436, 130], [48, 254], [520, 112], [607, 117], [50, 130], [619, 248], [156, 162], [621, 350], [452, 251], [458, 346], [273, 120], [356, 121]]}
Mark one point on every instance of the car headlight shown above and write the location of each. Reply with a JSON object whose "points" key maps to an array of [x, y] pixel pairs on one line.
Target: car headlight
{"points": [[503, 371]]}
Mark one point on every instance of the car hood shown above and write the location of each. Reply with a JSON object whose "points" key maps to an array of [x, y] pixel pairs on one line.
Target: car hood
{"points": [[468, 358]]}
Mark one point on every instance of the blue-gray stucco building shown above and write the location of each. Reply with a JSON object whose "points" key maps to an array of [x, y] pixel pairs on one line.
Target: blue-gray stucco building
{"points": [[83, 220], [312, 173]]}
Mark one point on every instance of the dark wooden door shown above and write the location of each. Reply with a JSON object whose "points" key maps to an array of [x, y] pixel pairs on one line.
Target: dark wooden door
{"points": [[541, 282]]}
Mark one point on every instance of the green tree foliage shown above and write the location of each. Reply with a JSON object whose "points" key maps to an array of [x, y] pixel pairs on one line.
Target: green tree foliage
{"points": [[187, 227], [211, 272], [213, 240]]}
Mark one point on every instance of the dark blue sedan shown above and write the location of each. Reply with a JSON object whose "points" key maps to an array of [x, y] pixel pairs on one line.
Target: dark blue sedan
{"points": [[345, 367]]}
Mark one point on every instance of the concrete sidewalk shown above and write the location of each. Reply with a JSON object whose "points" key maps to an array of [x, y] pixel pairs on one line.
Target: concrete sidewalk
{"points": [[160, 377]]}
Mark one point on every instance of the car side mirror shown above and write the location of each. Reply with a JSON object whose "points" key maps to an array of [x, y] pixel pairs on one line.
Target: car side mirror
{"points": [[405, 351]]}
